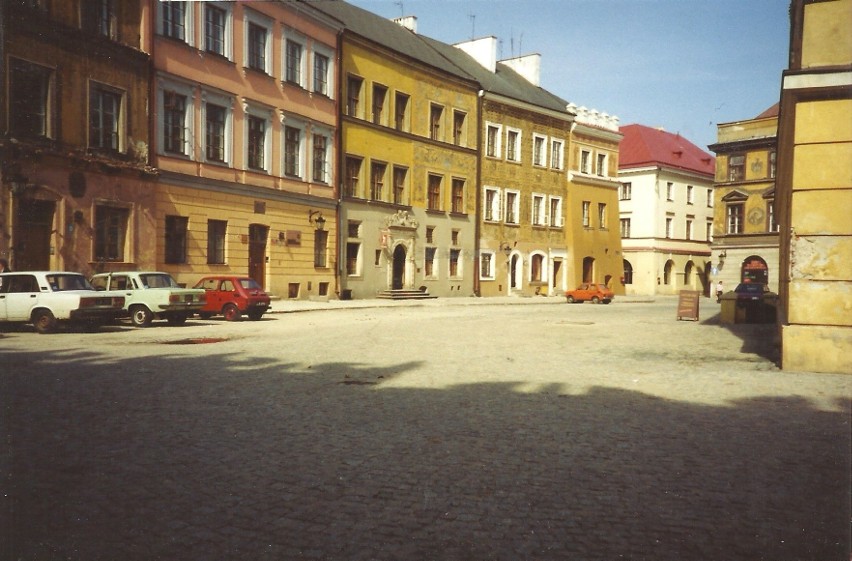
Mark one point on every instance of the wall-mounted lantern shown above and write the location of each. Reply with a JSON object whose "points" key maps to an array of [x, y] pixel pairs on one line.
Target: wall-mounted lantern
{"points": [[319, 221]]}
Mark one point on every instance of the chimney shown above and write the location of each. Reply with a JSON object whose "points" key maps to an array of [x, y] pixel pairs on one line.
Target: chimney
{"points": [[483, 51], [408, 22], [528, 66]]}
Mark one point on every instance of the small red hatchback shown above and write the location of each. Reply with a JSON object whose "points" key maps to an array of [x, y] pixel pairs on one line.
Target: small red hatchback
{"points": [[233, 296], [597, 293]]}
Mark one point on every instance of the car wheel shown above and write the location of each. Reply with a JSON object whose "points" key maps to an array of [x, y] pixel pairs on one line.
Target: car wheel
{"points": [[596, 300], [176, 319], [141, 316], [231, 312], [44, 321], [255, 315], [570, 299], [607, 301]]}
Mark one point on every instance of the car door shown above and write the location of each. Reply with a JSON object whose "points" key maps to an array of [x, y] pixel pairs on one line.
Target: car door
{"points": [[20, 294]]}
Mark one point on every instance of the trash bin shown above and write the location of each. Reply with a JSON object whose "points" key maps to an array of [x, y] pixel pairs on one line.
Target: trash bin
{"points": [[346, 294]]}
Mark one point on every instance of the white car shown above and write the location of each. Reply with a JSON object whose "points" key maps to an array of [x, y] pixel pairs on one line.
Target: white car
{"points": [[150, 294], [48, 298]]}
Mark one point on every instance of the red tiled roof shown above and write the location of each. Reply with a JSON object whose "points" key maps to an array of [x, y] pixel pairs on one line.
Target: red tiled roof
{"points": [[647, 146], [771, 112]]}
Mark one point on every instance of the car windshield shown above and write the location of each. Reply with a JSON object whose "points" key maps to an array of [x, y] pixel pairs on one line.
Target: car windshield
{"points": [[68, 281], [158, 280], [250, 284]]}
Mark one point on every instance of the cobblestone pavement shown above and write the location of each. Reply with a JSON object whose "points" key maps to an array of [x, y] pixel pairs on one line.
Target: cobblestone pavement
{"points": [[436, 431]]}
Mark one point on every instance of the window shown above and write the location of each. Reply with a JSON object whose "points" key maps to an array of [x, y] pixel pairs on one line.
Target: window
{"points": [[536, 267], [352, 251], [400, 176], [585, 161], [436, 115], [708, 231], [602, 169], [556, 151], [401, 112], [454, 237], [111, 225], [735, 213], [429, 263], [669, 191], [539, 156], [771, 224], [215, 117], [176, 228], [215, 21], [98, 16], [320, 248], [434, 202], [772, 164], [353, 96], [321, 74], [174, 20], [625, 227], [669, 227], [556, 212], [353, 176], [709, 198], [736, 167], [104, 118], [587, 209], [292, 151], [538, 210], [690, 195], [454, 262], [430, 234], [458, 196], [486, 266], [321, 163], [602, 216], [293, 62], [459, 120], [377, 181], [513, 145], [689, 223], [379, 96], [216, 230], [30, 88], [513, 206], [258, 45], [174, 123], [625, 191], [492, 204], [492, 137], [256, 142], [353, 229]]}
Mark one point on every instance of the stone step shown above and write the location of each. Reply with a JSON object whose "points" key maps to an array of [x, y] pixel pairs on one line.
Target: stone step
{"points": [[404, 294]]}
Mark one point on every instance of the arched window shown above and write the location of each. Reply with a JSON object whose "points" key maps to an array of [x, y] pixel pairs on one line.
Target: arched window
{"points": [[754, 269], [687, 273], [536, 267], [667, 272], [628, 272]]}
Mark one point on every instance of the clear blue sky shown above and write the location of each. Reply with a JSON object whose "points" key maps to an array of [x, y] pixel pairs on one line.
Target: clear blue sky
{"points": [[684, 65]]}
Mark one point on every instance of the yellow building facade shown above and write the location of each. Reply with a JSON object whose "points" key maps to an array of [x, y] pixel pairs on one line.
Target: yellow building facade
{"points": [[814, 190], [409, 163], [745, 231], [244, 121]]}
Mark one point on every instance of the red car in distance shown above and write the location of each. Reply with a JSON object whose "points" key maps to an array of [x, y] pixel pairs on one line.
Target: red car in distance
{"points": [[232, 296], [597, 293]]}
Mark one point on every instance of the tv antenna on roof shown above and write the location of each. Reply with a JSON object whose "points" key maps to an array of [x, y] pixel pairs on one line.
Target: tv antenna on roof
{"points": [[472, 25], [401, 8]]}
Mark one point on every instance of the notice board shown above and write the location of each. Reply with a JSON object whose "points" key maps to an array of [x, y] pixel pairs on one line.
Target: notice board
{"points": [[687, 304]]}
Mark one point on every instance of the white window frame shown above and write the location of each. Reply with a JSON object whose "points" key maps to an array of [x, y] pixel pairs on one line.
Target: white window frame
{"points": [[189, 118], [188, 23], [252, 17], [624, 227], [490, 273], [556, 221], [689, 228], [669, 227], [327, 162], [539, 156], [498, 145], [602, 161], [538, 203], [496, 204], [228, 39], [291, 36], [517, 159], [265, 113], [516, 207], [301, 156], [670, 190], [328, 53], [625, 191], [690, 195], [544, 272], [587, 214], [121, 118], [227, 102], [557, 154]]}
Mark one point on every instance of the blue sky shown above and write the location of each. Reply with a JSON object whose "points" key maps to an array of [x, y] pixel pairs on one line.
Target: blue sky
{"points": [[684, 65]]}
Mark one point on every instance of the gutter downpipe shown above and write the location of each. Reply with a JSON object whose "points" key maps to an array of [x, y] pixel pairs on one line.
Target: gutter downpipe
{"points": [[477, 228]]}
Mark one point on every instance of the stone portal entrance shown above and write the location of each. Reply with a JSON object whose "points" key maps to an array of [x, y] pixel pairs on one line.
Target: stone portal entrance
{"points": [[398, 279]]}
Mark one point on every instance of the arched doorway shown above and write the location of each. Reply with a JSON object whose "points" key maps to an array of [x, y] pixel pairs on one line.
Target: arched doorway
{"points": [[588, 269], [398, 280], [687, 274], [514, 272], [628, 272], [755, 270], [667, 272], [257, 252]]}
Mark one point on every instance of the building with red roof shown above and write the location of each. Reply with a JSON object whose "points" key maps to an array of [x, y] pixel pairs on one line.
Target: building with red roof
{"points": [[665, 211]]}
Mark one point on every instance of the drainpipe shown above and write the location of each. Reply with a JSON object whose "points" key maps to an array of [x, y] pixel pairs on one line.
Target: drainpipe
{"points": [[477, 245]]}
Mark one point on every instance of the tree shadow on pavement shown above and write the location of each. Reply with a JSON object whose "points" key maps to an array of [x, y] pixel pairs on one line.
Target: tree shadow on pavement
{"points": [[170, 457]]}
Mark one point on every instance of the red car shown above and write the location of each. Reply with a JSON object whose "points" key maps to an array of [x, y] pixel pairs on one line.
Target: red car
{"points": [[233, 296], [597, 293]]}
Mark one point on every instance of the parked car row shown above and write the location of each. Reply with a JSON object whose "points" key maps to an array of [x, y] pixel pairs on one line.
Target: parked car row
{"points": [[48, 299]]}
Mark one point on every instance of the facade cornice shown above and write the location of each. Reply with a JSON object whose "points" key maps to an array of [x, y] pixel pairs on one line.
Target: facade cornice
{"points": [[744, 145], [598, 133], [526, 106], [580, 178]]}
